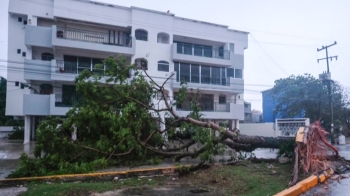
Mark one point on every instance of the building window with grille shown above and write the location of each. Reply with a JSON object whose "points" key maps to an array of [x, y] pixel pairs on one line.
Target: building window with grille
{"points": [[141, 34], [163, 66], [222, 99], [47, 56]]}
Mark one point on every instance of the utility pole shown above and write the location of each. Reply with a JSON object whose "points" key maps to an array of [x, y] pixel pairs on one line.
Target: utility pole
{"points": [[327, 77]]}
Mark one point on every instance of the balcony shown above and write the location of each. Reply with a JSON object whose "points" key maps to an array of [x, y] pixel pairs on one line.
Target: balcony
{"points": [[44, 105], [212, 110], [36, 104], [65, 102], [66, 67], [206, 107], [37, 70], [59, 106], [91, 40], [38, 36], [205, 55], [212, 83]]}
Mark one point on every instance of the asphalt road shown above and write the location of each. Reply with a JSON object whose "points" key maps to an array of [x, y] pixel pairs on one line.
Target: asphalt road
{"points": [[334, 188]]}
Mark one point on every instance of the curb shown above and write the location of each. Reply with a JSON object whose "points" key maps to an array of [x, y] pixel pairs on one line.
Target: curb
{"points": [[305, 184], [96, 176]]}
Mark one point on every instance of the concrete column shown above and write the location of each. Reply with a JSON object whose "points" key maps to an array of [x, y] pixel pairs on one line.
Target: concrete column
{"points": [[237, 124], [27, 123], [231, 124], [74, 134]]}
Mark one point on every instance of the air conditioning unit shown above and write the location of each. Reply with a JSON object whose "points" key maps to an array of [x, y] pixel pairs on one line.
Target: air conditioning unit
{"points": [[325, 76]]}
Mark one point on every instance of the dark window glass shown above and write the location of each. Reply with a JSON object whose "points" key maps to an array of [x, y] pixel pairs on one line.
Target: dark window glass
{"points": [[223, 77], [208, 51], [222, 99], [179, 48], [70, 64], [187, 48], [84, 63], [215, 75], [176, 69], [238, 73], [46, 89], [205, 74], [47, 56], [194, 73], [198, 50], [231, 72], [141, 35], [163, 66], [185, 72]]}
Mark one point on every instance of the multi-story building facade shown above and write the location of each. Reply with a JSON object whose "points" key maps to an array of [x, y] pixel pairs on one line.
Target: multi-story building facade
{"points": [[51, 41]]}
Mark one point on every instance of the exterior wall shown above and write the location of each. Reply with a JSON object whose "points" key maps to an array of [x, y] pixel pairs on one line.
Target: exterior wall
{"points": [[5, 130], [258, 129], [40, 36], [269, 106]]}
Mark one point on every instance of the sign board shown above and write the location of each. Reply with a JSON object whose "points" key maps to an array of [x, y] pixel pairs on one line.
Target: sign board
{"points": [[288, 127]]}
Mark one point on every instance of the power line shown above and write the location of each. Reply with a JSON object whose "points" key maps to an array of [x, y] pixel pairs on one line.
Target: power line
{"points": [[280, 67], [41, 72]]}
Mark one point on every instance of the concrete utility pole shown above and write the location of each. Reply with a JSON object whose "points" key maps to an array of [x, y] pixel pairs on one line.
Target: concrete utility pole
{"points": [[327, 77]]}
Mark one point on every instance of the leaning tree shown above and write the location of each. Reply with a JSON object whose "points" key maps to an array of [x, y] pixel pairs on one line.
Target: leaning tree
{"points": [[118, 121]]}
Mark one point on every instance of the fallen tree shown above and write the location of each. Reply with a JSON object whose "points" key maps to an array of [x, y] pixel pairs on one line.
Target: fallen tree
{"points": [[118, 122]]}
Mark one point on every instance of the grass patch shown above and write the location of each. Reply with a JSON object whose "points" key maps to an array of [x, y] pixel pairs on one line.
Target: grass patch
{"points": [[244, 179], [86, 188], [247, 179]]}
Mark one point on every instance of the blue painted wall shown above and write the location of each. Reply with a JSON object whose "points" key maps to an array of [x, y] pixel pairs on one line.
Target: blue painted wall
{"points": [[268, 106]]}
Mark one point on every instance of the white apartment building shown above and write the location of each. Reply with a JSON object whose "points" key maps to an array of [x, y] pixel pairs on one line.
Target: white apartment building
{"points": [[51, 41]]}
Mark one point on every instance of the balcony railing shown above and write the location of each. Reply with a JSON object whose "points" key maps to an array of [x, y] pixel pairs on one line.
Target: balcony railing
{"points": [[67, 101], [202, 51], [202, 79], [95, 37], [206, 107], [76, 68]]}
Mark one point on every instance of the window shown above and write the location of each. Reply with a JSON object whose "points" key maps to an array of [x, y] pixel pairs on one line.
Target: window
{"points": [[47, 56], [215, 75], [238, 73], [205, 74], [194, 73], [141, 63], [222, 99], [163, 38], [46, 89], [231, 72], [185, 72], [141, 35], [177, 70], [163, 66]]}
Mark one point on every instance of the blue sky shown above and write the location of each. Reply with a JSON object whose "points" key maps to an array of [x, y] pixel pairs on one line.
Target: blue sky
{"points": [[284, 35]]}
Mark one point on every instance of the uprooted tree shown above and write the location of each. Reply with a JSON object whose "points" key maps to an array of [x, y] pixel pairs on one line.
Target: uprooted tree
{"points": [[118, 121]]}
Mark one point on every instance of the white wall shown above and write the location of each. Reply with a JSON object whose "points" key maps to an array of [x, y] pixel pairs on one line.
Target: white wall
{"points": [[257, 129], [5, 130], [105, 18]]}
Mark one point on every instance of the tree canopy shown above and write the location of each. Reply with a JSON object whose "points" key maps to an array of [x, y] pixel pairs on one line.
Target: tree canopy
{"points": [[119, 120], [304, 95]]}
